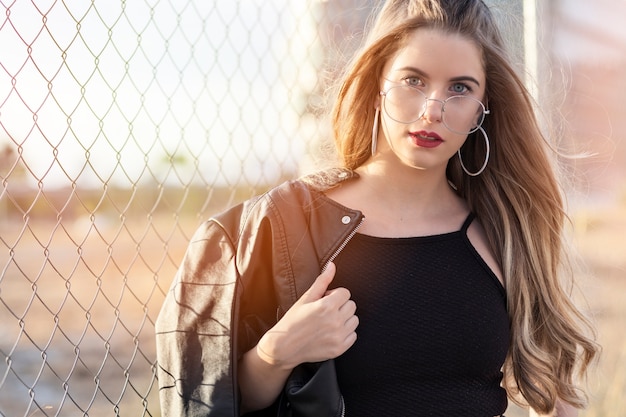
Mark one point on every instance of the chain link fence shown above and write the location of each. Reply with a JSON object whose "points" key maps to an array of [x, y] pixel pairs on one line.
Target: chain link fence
{"points": [[123, 125]]}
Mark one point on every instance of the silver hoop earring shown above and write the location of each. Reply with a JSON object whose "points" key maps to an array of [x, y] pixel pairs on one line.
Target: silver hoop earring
{"points": [[482, 168], [375, 132]]}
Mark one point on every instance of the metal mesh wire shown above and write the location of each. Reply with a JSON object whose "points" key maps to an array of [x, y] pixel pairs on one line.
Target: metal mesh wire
{"points": [[123, 124]]}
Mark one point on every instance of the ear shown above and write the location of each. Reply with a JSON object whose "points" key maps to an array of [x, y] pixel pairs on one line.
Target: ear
{"points": [[377, 101]]}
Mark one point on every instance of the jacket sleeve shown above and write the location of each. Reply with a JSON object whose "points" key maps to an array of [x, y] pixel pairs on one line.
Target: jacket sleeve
{"points": [[238, 269], [193, 330]]}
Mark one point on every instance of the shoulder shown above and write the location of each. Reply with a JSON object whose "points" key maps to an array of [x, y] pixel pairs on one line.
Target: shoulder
{"points": [[287, 199], [327, 179], [307, 187], [478, 238]]}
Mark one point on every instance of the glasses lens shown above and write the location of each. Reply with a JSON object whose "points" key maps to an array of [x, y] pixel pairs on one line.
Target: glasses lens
{"points": [[404, 104], [463, 114], [460, 114]]}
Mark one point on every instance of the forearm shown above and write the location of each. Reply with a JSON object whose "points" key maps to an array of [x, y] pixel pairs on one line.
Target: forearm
{"points": [[260, 381], [319, 326]]}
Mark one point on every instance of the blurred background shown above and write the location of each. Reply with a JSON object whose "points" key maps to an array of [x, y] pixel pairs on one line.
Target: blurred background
{"points": [[125, 124]]}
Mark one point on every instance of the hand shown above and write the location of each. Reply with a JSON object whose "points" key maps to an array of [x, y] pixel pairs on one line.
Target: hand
{"points": [[320, 325]]}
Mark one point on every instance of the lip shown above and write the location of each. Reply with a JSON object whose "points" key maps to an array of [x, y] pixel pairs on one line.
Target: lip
{"points": [[426, 139]]}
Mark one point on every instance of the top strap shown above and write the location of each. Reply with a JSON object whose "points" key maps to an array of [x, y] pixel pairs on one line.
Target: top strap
{"points": [[467, 222]]}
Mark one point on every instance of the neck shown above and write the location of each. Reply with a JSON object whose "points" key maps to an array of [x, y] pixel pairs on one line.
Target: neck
{"points": [[406, 188], [404, 201]]}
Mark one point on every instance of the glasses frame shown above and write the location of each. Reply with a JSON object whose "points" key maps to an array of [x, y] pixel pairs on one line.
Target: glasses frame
{"points": [[484, 112]]}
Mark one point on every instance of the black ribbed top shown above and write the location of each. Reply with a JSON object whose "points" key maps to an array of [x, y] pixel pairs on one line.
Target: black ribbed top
{"points": [[433, 332]]}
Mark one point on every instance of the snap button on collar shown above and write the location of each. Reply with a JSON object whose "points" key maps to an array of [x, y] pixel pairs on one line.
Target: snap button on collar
{"points": [[345, 219]]}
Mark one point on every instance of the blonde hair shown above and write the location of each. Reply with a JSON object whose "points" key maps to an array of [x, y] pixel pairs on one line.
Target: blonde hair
{"points": [[517, 196]]}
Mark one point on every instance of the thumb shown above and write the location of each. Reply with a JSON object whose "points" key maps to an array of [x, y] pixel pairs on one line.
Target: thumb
{"points": [[320, 285]]}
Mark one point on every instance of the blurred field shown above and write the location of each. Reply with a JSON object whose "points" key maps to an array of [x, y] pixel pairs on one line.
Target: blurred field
{"points": [[601, 239], [96, 329], [77, 311], [600, 233]]}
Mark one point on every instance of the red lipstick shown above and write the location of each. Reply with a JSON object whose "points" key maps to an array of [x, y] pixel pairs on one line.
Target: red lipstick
{"points": [[426, 139]]}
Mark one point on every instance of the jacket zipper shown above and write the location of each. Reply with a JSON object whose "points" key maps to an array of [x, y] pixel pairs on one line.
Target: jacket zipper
{"points": [[332, 258], [343, 407], [343, 244], [233, 353]]}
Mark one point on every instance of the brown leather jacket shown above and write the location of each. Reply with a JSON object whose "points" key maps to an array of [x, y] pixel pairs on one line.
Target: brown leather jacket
{"points": [[242, 270]]}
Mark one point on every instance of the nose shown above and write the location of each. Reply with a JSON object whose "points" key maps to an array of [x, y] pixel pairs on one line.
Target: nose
{"points": [[433, 109]]}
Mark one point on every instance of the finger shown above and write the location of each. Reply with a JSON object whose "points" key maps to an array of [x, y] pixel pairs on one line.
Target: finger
{"points": [[341, 294], [349, 341], [352, 323], [320, 285], [348, 308]]}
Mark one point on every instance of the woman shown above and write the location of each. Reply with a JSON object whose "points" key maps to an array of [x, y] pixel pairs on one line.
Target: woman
{"points": [[443, 227]]}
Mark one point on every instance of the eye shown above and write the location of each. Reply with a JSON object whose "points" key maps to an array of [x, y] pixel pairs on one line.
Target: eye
{"points": [[413, 81], [460, 88]]}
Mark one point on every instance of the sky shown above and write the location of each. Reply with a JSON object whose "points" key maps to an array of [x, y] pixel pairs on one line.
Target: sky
{"points": [[100, 93], [187, 91]]}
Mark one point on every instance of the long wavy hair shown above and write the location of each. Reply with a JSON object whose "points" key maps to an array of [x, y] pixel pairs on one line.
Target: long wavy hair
{"points": [[517, 197]]}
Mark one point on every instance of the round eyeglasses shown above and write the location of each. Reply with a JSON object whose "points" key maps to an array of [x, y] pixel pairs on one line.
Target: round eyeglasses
{"points": [[460, 114]]}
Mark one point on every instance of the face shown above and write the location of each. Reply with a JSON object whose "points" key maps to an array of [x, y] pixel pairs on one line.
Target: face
{"points": [[422, 125]]}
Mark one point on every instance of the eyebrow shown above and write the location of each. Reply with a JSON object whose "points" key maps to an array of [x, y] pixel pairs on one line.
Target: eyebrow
{"points": [[423, 74]]}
